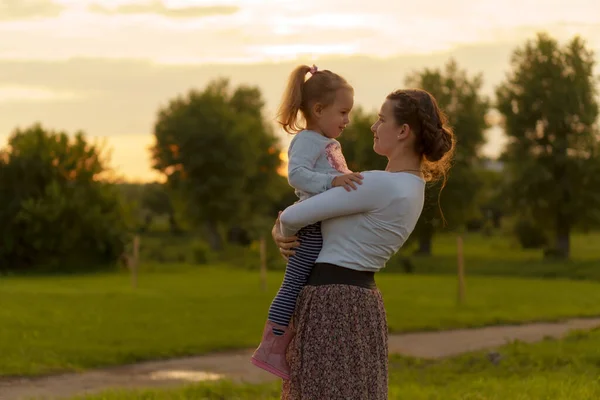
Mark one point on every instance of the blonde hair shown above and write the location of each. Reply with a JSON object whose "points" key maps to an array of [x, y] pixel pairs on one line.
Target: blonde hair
{"points": [[301, 94]]}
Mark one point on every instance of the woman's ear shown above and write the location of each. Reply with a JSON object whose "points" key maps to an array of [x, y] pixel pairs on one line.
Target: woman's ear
{"points": [[403, 131]]}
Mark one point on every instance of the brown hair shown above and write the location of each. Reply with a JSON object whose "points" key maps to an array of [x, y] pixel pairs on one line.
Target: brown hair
{"points": [[435, 139], [301, 94]]}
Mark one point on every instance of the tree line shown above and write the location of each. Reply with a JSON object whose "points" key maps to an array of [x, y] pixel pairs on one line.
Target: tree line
{"points": [[220, 158]]}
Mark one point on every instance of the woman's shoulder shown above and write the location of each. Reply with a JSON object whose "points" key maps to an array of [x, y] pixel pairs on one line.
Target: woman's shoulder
{"points": [[385, 175], [391, 181]]}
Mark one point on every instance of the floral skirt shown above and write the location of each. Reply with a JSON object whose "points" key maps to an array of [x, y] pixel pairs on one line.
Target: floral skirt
{"points": [[340, 348]]}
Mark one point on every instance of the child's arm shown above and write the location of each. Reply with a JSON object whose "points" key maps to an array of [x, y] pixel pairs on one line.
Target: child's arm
{"points": [[303, 156], [301, 174], [334, 203], [347, 181]]}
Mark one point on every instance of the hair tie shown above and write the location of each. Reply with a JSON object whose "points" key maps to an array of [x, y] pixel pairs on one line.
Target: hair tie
{"points": [[313, 70]]}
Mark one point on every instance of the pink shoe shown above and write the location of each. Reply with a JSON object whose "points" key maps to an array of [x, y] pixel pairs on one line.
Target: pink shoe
{"points": [[270, 354]]}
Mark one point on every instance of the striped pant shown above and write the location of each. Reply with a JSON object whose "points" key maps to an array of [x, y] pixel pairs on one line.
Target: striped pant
{"points": [[296, 274]]}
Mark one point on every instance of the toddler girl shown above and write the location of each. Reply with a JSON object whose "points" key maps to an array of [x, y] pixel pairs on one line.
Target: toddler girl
{"points": [[316, 163]]}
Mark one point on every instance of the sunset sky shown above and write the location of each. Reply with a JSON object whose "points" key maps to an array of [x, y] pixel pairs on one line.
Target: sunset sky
{"points": [[105, 67]]}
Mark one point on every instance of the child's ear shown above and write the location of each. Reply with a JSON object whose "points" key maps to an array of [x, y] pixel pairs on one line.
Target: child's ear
{"points": [[318, 109]]}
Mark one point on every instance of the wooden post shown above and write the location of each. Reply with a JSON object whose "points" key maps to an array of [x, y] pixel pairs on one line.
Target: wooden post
{"points": [[135, 261], [263, 263], [461, 269]]}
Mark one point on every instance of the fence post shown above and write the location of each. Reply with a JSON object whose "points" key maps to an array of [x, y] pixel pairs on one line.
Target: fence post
{"points": [[263, 263], [135, 261], [461, 269]]}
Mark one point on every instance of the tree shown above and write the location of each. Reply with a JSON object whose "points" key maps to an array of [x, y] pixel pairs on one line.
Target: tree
{"points": [[459, 96], [490, 196], [218, 154], [156, 198], [263, 188], [550, 109], [55, 210], [131, 193]]}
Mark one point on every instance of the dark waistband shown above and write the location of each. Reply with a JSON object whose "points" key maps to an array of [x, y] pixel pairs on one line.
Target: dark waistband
{"points": [[330, 274]]}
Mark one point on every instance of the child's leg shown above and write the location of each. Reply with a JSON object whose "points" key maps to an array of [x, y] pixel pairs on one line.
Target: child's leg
{"points": [[296, 275], [271, 353]]}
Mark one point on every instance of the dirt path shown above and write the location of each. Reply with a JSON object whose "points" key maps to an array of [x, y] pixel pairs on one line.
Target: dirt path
{"points": [[236, 365]]}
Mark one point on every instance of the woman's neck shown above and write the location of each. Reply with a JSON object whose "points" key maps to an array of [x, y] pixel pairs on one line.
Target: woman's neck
{"points": [[404, 164]]}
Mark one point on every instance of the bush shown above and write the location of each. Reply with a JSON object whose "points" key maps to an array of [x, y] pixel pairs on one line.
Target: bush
{"points": [[201, 253], [530, 235], [488, 228], [56, 213], [248, 257], [164, 247]]}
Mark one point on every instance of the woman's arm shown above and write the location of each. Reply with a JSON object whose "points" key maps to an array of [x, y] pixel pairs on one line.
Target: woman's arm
{"points": [[333, 203], [286, 244]]}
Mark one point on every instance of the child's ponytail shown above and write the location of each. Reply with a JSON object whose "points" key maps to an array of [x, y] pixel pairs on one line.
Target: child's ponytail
{"points": [[292, 100]]}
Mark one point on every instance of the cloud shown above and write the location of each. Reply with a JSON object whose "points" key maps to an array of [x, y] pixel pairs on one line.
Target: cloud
{"points": [[14, 10], [261, 31], [30, 94], [157, 7], [120, 97]]}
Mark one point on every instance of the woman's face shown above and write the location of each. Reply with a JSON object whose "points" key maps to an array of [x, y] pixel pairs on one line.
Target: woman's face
{"points": [[387, 133]]}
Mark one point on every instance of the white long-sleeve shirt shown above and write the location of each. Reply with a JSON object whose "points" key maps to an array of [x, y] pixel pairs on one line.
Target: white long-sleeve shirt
{"points": [[314, 160], [362, 228]]}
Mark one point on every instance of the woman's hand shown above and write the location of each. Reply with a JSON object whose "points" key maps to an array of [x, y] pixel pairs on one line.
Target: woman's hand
{"points": [[285, 244]]}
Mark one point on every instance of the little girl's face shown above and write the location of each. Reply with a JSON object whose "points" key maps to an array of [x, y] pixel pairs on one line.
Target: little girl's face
{"points": [[333, 119]]}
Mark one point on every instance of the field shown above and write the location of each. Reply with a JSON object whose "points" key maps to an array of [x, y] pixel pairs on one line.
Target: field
{"points": [[51, 324], [499, 255], [556, 370]]}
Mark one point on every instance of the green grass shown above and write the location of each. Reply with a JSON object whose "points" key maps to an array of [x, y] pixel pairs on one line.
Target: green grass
{"points": [[500, 255], [549, 370], [51, 324]]}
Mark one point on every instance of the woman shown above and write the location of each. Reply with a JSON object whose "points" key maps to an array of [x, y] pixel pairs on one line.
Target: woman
{"points": [[339, 350]]}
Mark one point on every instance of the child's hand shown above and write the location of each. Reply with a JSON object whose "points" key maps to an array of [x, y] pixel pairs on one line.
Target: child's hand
{"points": [[348, 181]]}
